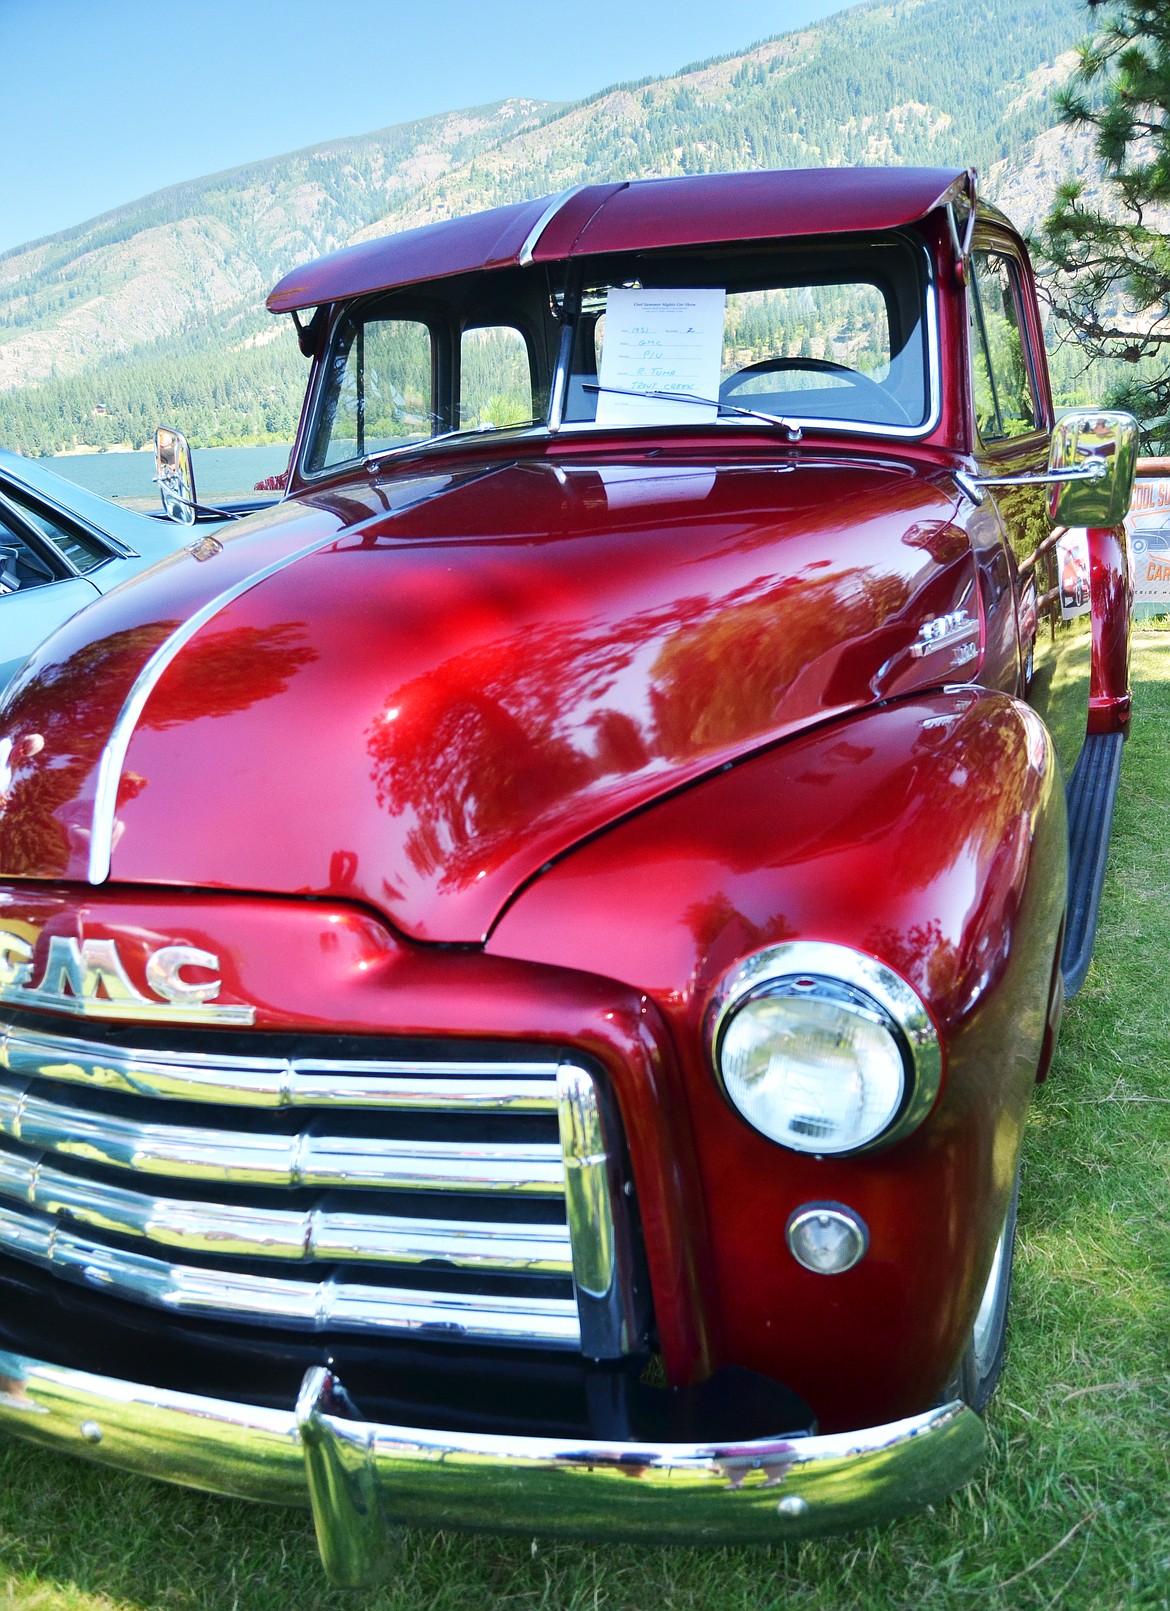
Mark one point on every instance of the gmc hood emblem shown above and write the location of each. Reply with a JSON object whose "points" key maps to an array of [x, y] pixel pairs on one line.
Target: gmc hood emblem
{"points": [[88, 979]]}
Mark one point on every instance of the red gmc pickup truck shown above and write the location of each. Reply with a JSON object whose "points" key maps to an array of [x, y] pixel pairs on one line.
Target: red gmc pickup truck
{"points": [[523, 965]]}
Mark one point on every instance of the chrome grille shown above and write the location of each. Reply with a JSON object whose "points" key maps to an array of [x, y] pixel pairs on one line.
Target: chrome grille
{"points": [[478, 1197]]}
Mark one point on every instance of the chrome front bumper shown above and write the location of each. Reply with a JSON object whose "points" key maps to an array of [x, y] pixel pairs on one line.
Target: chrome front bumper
{"points": [[363, 1481]]}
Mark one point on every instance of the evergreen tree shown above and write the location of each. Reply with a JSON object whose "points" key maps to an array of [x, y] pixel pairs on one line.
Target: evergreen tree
{"points": [[1108, 254]]}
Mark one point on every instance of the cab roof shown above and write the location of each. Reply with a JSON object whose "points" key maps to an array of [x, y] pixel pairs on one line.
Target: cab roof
{"points": [[641, 214]]}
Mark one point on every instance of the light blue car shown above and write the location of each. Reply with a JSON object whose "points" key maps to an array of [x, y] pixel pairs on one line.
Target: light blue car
{"points": [[60, 547]]}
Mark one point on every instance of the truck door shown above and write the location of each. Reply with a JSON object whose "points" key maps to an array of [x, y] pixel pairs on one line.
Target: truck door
{"points": [[1050, 565]]}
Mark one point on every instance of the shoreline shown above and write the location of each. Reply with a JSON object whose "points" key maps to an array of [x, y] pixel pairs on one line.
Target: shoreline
{"points": [[114, 447], [89, 452]]}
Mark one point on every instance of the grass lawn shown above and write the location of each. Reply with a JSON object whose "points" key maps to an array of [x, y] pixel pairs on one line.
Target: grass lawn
{"points": [[1073, 1507]]}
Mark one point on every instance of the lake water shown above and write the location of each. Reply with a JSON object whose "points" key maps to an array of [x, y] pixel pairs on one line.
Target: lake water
{"points": [[219, 472]]}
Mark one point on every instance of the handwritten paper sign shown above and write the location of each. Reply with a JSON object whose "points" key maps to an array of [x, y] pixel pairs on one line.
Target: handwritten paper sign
{"points": [[660, 341]]}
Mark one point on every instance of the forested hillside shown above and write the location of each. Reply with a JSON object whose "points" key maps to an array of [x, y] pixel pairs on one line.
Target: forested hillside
{"points": [[156, 310]]}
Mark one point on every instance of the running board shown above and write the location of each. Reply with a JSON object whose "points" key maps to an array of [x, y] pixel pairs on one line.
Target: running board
{"points": [[1091, 791]]}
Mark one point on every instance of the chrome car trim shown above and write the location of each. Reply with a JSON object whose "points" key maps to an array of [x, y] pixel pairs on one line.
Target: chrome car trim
{"points": [[354, 1474], [545, 219], [99, 986], [297, 1235], [896, 999], [309, 1158], [315, 1306], [586, 1193], [612, 1293], [74, 1113], [37, 539], [490, 1085], [113, 758], [944, 632], [962, 249], [558, 390], [1093, 469], [848, 1218]]}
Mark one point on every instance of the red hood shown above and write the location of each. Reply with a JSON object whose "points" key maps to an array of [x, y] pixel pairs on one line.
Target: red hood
{"points": [[462, 677]]}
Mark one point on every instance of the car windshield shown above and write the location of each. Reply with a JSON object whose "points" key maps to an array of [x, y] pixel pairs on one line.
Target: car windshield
{"points": [[809, 332], [831, 331]]}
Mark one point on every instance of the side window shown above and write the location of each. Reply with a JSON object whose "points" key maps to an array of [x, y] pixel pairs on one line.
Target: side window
{"points": [[1005, 405], [495, 378], [79, 548], [21, 566], [377, 393]]}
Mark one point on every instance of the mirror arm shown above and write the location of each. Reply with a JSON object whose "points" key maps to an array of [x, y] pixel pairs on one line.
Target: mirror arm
{"points": [[204, 511], [307, 333], [962, 248], [1093, 469]]}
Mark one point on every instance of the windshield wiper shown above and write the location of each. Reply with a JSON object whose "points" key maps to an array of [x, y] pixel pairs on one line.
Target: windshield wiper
{"points": [[794, 431]]}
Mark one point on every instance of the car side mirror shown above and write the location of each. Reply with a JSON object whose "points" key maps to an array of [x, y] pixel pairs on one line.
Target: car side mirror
{"points": [[175, 475], [1105, 442]]}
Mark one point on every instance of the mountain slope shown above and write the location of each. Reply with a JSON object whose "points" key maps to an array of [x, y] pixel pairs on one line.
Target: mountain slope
{"points": [[156, 309], [920, 81], [205, 251]]}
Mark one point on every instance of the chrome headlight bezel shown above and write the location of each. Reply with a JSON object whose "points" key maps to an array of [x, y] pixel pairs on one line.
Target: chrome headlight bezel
{"points": [[839, 974]]}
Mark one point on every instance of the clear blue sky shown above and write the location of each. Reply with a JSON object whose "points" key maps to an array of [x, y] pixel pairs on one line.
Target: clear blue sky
{"points": [[103, 101]]}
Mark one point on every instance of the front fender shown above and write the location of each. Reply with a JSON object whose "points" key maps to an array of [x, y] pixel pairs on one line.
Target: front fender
{"points": [[931, 835]]}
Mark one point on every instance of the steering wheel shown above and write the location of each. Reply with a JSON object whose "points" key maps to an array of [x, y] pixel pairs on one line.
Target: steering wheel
{"points": [[815, 366]]}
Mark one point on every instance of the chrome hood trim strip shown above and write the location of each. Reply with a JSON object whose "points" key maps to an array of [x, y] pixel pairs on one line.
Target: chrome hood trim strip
{"points": [[101, 843]]}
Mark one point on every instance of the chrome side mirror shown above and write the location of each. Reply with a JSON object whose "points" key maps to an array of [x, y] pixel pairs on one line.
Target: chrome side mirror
{"points": [[1091, 468], [1102, 443], [175, 475]]}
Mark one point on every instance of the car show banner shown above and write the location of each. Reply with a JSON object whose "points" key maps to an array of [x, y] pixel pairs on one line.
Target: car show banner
{"points": [[1148, 525]]}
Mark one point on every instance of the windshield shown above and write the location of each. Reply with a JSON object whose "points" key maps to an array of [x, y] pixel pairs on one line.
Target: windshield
{"points": [[831, 331], [810, 332]]}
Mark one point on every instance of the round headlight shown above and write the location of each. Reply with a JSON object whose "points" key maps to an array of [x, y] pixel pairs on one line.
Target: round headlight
{"points": [[824, 1061]]}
